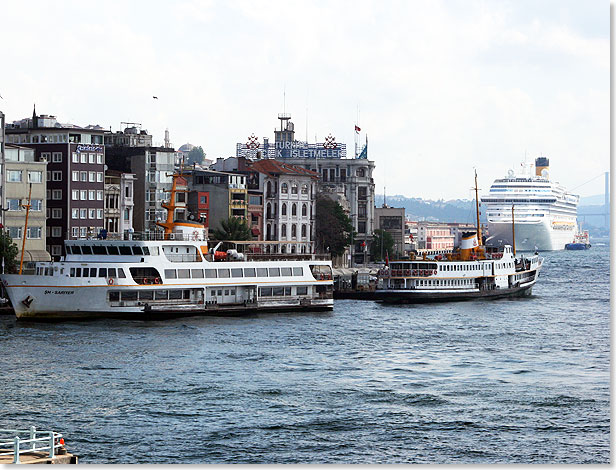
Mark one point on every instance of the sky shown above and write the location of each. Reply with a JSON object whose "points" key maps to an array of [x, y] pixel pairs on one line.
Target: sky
{"points": [[440, 88]]}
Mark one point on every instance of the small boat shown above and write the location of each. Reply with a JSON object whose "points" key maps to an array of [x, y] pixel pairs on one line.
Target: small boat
{"points": [[581, 241], [470, 272]]}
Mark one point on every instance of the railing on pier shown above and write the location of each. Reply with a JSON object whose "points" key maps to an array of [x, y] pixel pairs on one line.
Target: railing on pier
{"points": [[49, 442]]}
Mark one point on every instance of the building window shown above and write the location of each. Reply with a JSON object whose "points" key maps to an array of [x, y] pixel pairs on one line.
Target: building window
{"points": [[294, 188], [127, 214], [99, 178], [56, 232], [56, 250], [99, 213], [75, 231], [99, 195], [56, 176], [75, 213], [75, 157], [15, 232], [284, 188], [361, 227], [283, 209], [14, 176], [83, 231], [92, 213], [84, 195], [56, 194], [304, 231], [294, 210], [37, 205], [92, 158], [35, 177], [293, 231], [202, 199], [57, 157], [33, 232], [99, 158], [304, 189], [304, 210], [83, 213], [283, 231], [56, 213], [45, 156], [84, 176], [75, 193], [361, 172], [92, 177], [84, 158], [14, 204], [75, 176], [92, 195]]}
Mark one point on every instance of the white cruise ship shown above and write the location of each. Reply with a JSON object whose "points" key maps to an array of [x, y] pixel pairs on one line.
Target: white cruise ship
{"points": [[545, 214]]}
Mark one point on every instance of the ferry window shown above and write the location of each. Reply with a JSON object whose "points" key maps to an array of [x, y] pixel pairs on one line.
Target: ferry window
{"points": [[262, 272], [72, 272], [285, 271], [278, 290], [92, 272], [302, 290], [287, 291], [232, 291], [137, 251], [210, 273], [219, 292], [99, 250], [226, 291], [86, 272], [175, 294], [125, 250], [86, 250], [274, 272], [69, 251], [77, 272], [129, 295], [249, 272], [236, 272], [154, 250], [298, 271], [102, 272], [121, 273], [223, 273], [114, 296], [184, 273], [146, 251], [196, 273], [161, 294], [111, 272], [113, 250], [170, 274], [186, 293], [146, 295], [265, 291]]}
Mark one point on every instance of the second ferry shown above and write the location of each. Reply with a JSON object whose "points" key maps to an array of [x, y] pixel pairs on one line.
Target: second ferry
{"points": [[545, 212]]}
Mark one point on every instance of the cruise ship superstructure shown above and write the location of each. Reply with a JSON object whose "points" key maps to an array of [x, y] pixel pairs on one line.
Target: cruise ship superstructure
{"points": [[545, 213]]}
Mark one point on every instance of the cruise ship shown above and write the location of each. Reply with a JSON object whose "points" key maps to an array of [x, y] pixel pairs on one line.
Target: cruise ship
{"points": [[544, 212]]}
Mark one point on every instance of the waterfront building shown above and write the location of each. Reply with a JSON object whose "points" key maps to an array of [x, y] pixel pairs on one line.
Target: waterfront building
{"points": [[119, 203], [21, 170], [347, 180], [75, 175], [392, 221], [434, 236], [153, 168], [217, 195]]}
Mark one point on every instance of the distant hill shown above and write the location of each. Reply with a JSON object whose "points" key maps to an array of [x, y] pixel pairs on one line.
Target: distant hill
{"points": [[454, 210]]}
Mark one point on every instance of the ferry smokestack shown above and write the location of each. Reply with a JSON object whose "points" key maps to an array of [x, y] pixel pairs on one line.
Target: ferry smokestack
{"points": [[542, 164]]}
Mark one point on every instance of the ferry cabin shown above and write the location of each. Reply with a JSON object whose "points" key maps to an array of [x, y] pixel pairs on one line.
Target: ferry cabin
{"points": [[119, 277]]}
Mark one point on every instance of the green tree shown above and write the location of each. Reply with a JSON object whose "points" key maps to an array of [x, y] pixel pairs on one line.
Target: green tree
{"points": [[8, 251], [232, 229], [334, 229], [196, 155], [382, 244]]}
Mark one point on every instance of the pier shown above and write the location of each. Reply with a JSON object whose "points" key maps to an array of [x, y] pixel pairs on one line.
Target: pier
{"points": [[19, 446]]}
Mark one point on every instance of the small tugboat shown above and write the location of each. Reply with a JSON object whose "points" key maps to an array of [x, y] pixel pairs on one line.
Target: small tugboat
{"points": [[581, 241], [471, 272], [167, 274]]}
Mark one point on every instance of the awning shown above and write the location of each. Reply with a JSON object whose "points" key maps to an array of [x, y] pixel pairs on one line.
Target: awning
{"points": [[34, 255], [256, 231]]}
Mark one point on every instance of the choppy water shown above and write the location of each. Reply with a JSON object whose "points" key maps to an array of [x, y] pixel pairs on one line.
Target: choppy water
{"points": [[515, 381]]}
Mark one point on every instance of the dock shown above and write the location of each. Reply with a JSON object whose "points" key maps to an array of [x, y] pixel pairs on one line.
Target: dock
{"points": [[32, 446]]}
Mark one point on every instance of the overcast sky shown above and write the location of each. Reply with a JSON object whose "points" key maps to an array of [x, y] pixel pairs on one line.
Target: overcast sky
{"points": [[441, 87]]}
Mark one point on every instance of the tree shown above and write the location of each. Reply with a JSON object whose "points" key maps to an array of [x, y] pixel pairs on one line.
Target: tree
{"points": [[232, 229], [196, 155], [8, 251], [333, 228], [382, 244]]}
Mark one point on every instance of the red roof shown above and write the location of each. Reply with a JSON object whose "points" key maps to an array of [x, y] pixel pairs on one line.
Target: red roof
{"points": [[272, 167]]}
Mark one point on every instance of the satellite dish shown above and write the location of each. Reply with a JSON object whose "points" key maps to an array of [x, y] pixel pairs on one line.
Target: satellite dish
{"points": [[510, 173]]}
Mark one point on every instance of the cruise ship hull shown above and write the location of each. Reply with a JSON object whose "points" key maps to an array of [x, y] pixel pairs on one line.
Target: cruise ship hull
{"points": [[531, 236]]}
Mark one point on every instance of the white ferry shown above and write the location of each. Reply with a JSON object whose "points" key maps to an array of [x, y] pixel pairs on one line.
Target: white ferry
{"points": [[175, 276], [469, 273], [545, 212]]}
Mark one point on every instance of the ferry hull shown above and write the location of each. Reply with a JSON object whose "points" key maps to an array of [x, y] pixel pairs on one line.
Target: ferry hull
{"points": [[418, 297]]}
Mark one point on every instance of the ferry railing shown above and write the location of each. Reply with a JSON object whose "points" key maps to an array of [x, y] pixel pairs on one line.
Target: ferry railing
{"points": [[49, 442]]}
